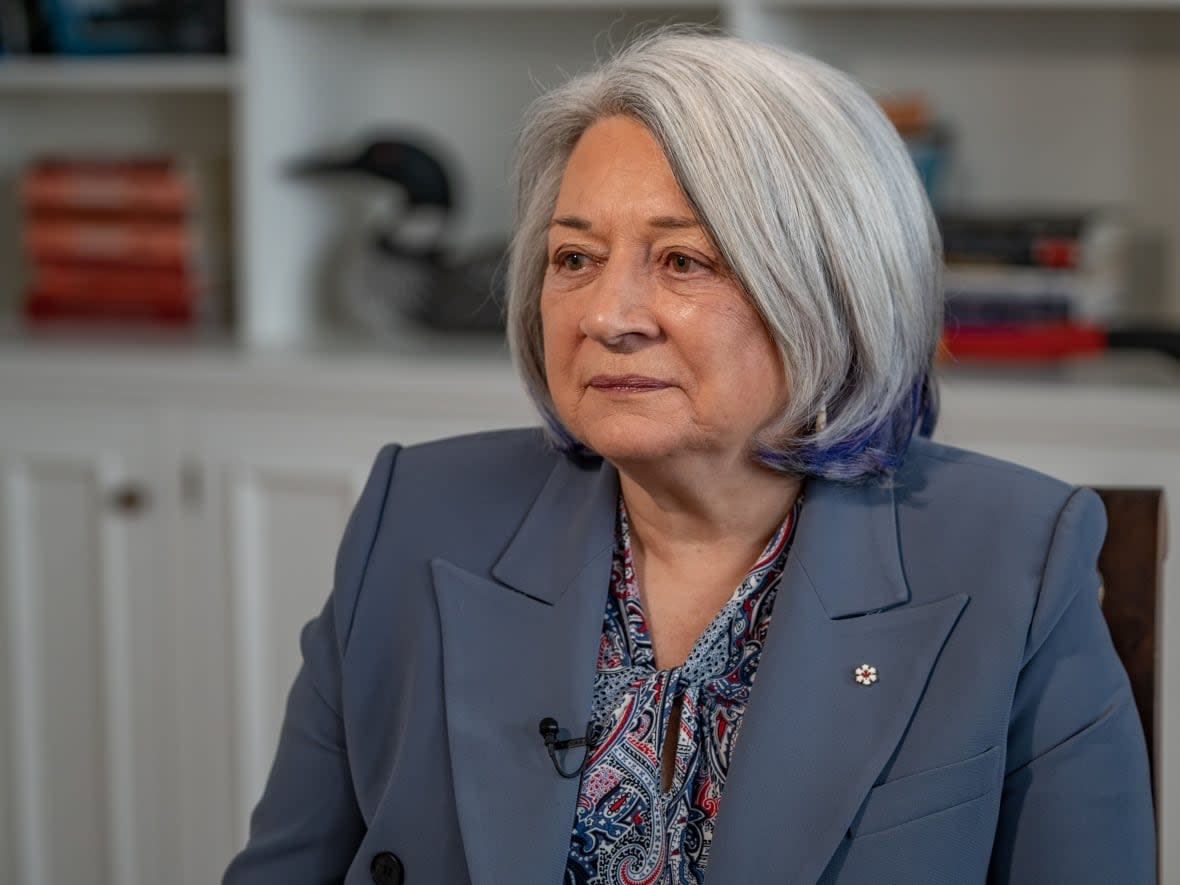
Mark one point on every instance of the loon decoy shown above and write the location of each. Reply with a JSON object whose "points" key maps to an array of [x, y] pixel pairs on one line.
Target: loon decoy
{"points": [[403, 260]]}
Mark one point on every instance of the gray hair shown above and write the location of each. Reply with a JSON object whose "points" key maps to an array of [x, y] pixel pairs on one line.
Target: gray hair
{"points": [[811, 198]]}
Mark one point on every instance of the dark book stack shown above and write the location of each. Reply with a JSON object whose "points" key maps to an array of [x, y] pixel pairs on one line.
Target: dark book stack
{"points": [[108, 27], [116, 240], [1033, 284]]}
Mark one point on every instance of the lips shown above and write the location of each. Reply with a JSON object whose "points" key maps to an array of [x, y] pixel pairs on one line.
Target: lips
{"points": [[627, 383]]}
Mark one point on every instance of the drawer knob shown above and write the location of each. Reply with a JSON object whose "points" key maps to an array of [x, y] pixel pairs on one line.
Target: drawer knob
{"points": [[129, 499]]}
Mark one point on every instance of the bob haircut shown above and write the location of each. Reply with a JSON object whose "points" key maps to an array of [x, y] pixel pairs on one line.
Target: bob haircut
{"points": [[813, 202]]}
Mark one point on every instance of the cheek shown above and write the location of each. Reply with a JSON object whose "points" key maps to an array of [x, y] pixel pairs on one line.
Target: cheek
{"points": [[558, 350], [757, 370], [560, 319]]}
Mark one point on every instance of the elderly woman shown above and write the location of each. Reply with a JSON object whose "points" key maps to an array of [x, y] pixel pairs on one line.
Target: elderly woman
{"points": [[723, 620]]}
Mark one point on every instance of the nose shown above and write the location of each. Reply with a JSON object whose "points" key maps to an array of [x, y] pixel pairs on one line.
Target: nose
{"points": [[618, 312]]}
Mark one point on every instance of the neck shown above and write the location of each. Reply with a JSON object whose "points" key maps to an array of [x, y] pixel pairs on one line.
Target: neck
{"points": [[674, 508]]}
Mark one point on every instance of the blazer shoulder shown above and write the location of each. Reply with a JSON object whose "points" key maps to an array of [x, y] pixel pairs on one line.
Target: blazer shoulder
{"points": [[482, 447], [459, 491], [988, 523], [505, 464], [462, 498], [971, 479]]}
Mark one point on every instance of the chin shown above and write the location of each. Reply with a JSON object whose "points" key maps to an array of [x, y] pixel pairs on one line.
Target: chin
{"points": [[620, 444]]}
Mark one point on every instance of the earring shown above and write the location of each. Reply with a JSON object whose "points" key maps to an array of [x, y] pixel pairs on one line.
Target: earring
{"points": [[821, 419]]}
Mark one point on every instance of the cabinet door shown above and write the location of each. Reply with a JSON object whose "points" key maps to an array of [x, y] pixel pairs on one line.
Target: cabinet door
{"points": [[84, 689], [268, 498]]}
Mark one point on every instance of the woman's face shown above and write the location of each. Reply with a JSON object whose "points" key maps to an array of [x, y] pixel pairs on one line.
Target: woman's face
{"points": [[651, 347]]}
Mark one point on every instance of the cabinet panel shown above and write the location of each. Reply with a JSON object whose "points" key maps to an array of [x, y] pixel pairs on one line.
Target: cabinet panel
{"points": [[80, 671], [267, 497], [283, 523], [259, 528]]}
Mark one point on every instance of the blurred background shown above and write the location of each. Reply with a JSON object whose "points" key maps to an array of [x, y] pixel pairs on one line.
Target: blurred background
{"points": [[244, 245]]}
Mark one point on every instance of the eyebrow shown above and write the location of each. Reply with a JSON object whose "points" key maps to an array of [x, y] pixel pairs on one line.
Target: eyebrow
{"points": [[570, 221], [666, 222]]}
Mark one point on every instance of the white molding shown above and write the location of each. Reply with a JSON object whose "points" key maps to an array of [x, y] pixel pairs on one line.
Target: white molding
{"points": [[118, 677], [28, 760], [241, 500]]}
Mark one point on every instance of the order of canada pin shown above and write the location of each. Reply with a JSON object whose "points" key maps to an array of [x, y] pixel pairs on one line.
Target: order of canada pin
{"points": [[865, 674]]}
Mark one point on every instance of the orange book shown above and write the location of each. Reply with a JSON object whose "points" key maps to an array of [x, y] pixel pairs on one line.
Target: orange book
{"points": [[909, 114], [139, 243], [139, 187]]}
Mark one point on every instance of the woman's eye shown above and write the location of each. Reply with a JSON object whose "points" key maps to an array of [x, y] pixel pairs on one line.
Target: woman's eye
{"points": [[682, 264], [571, 261]]}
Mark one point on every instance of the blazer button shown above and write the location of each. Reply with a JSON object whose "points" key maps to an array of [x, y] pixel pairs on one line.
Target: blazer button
{"points": [[386, 869]]}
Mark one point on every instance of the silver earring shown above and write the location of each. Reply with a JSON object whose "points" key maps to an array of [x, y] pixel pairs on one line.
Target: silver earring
{"points": [[821, 419]]}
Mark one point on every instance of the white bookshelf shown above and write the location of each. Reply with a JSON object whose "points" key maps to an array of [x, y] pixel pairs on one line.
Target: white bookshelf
{"points": [[1054, 102], [148, 74]]}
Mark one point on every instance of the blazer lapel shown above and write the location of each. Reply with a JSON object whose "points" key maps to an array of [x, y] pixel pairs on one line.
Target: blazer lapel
{"points": [[516, 649], [813, 740]]}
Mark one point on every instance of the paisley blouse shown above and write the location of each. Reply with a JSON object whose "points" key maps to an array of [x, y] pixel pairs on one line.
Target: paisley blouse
{"points": [[628, 830]]}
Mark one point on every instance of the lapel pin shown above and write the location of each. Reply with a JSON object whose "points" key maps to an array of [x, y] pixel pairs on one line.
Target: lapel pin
{"points": [[865, 674]]}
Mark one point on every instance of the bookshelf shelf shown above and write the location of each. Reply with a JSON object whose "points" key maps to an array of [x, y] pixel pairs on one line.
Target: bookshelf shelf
{"points": [[140, 74], [1121, 6], [487, 5], [733, 7]]}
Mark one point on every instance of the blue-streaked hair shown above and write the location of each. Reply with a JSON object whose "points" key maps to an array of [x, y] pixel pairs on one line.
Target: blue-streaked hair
{"points": [[817, 209]]}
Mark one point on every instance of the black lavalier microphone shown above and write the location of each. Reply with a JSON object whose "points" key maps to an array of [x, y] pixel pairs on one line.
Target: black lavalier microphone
{"points": [[548, 728]]}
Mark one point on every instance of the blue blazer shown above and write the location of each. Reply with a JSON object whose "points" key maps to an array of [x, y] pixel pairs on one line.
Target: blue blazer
{"points": [[999, 744]]}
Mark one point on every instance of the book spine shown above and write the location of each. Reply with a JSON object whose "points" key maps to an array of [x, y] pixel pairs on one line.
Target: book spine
{"points": [[1045, 341], [157, 245], [1034, 240], [977, 312], [1053, 252], [131, 188], [41, 307], [110, 284]]}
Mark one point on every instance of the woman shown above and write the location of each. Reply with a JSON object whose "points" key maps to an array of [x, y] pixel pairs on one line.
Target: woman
{"points": [[797, 645]]}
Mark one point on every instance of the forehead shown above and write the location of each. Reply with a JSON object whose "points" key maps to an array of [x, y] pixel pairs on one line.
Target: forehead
{"points": [[617, 165]]}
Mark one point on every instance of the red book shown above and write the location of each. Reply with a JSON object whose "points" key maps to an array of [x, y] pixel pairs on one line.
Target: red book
{"points": [[41, 307], [1045, 341], [161, 244], [113, 283], [139, 187]]}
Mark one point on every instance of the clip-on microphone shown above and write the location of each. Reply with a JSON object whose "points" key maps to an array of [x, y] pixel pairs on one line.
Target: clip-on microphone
{"points": [[548, 728]]}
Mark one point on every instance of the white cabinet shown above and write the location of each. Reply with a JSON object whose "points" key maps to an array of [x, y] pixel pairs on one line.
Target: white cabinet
{"points": [[169, 519], [167, 525], [86, 689], [264, 502]]}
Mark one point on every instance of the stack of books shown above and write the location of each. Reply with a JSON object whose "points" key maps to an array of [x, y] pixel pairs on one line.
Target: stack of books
{"points": [[115, 239], [1032, 285]]}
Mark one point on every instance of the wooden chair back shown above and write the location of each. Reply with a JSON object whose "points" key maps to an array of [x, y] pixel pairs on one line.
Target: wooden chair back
{"points": [[1132, 567]]}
